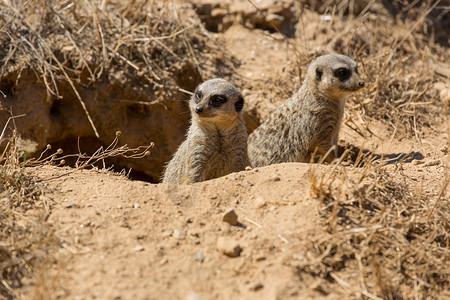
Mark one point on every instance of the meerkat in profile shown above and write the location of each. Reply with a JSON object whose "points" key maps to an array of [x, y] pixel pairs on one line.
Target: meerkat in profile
{"points": [[309, 121], [216, 142]]}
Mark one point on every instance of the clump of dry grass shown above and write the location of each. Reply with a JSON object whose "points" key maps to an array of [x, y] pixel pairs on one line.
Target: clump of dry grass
{"points": [[89, 39], [385, 240], [72, 45], [24, 235]]}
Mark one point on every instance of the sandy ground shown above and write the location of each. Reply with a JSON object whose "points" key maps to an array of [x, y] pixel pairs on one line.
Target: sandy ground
{"points": [[135, 240], [125, 239]]}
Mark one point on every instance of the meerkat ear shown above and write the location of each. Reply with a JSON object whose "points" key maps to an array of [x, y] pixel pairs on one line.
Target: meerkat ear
{"points": [[239, 104], [318, 73]]}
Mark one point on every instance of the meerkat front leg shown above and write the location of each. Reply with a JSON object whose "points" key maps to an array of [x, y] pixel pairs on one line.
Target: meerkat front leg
{"points": [[197, 169]]}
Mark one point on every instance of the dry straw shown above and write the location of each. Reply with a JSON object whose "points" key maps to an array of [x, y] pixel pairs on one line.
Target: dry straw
{"points": [[70, 45], [392, 237]]}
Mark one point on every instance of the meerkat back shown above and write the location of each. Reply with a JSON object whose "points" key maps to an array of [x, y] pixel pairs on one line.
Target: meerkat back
{"points": [[216, 142]]}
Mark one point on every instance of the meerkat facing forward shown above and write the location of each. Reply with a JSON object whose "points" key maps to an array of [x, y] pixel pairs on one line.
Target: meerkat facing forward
{"points": [[309, 121], [216, 142]]}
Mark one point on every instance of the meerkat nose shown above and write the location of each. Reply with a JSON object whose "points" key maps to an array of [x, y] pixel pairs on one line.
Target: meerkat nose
{"points": [[199, 110], [361, 83]]}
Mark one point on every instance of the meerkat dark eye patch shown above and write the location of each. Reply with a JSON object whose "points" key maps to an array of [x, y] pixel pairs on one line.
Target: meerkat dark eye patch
{"points": [[342, 73], [217, 100], [319, 74], [239, 104], [198, 96]]}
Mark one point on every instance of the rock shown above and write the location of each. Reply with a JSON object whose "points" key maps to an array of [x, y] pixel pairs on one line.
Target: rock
{"points": [[230, 217], [246, 92], [256, 286], [259, 201], [275, 19], [417, 162], [218, 13], [199, 256], [430, 163], [193, 296], [274, 178], [229, 246], [444, 91], [177, 234], [138, 248], [445, 96]]}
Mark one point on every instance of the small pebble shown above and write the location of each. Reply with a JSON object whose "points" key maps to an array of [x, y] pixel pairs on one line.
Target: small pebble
{"points": [[138, 248], [274, 177], [417, 162], [230, 217], [435, 162], [229, 246], [260, 202], [193, 296], [199, 256], [177, 234], [260, 257], [246, 92], [256, 286]]}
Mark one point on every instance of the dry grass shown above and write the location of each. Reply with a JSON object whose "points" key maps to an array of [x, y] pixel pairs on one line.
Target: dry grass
{"points": [[386, 239], [89, 39], [24, 235], [71, 45], [397, 58], [96, 160]]}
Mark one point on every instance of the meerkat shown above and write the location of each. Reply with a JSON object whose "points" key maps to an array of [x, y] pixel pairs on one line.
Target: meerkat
{"points": [[216, 142], [310, 120]]}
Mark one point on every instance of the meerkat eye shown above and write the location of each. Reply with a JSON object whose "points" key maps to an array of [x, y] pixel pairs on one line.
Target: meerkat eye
{"points": [[342, 73], [239, 104], [319, 74], [198, 96], [217, 100]]}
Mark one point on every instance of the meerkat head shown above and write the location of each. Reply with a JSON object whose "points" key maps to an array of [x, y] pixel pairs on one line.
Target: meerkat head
{"points": [[216, 100], [334, 76]]}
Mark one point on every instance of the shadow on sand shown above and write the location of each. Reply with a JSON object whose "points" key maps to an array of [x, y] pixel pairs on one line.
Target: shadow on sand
{"points": [[358, 157]]}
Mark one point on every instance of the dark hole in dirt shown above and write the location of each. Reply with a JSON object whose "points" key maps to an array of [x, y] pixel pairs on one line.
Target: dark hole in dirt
{"points": [[6, 88], [141, 176]]}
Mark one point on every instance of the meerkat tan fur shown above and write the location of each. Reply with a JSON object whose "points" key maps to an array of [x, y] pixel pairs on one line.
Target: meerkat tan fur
{"points": [[216, 142], [309, 121]]}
